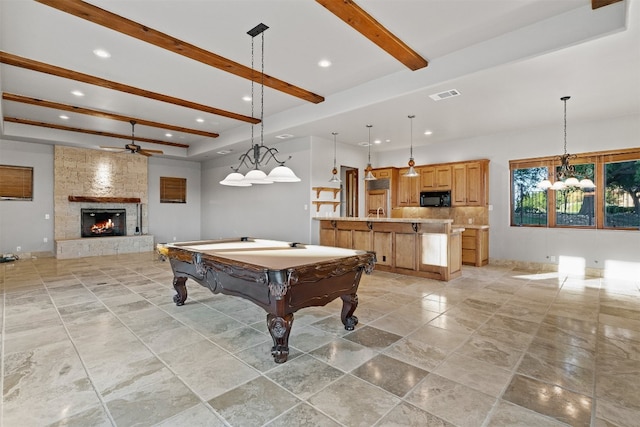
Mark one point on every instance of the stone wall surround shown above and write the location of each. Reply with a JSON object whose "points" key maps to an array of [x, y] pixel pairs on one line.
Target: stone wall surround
{"points": [[95, 173]]}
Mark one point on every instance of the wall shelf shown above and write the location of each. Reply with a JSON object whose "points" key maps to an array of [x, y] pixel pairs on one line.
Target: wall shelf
{"points": [[319, 203], [318, 190], [91, 199]]}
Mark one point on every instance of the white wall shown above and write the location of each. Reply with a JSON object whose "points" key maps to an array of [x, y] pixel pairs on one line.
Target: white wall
{"points": [[170, 222], [23, 223]]}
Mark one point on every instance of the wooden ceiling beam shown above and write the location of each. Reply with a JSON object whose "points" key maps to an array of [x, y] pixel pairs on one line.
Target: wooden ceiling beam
{"points": [[81, 110], [90, 132], [597, 4], [365, 24], [131, 28], [30, 64]]}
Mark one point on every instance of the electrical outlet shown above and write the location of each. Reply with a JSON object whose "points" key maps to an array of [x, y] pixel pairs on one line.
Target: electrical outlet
{"points": [[19, 248], [46, 216], [45, 240]]}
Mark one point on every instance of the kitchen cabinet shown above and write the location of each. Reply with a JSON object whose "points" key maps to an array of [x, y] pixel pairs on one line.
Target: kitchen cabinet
{"points": [[470, 183], [475, 246], [413, 246], [435, 178], [408, 189]]}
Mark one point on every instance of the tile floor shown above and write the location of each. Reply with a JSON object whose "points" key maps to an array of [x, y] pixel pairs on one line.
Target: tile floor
{"points": [[99, 342]]}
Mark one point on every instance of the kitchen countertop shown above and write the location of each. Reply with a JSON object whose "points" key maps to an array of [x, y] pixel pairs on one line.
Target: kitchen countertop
{"points": [[385, 219]]}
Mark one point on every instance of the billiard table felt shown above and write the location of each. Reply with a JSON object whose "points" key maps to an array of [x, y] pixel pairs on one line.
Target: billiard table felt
{"points": [[269, 254]]}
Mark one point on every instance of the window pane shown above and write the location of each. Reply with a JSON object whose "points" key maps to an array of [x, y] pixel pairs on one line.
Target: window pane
{"points": [[574, 205], [529, 202], [622, 192]]}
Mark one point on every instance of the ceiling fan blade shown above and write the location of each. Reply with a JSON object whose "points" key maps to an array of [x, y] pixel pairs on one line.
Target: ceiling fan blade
{"points": [[114, 149], [144, 153], [152, 151]]}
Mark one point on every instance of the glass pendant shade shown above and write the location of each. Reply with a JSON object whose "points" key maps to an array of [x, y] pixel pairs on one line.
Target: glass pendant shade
{"points": [[411, 173], [282, 174], [235, 179], [572, 182], [256, 176], [558, 185], [545, 184], [369, 176], [334, 178], [587, 183]]}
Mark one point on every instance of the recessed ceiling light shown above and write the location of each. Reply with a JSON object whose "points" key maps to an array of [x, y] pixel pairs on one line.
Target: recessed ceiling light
{"points": [[77, 93], [377, 141], [428, 132], [63, 117], [168, 135], [246, 98], [284, 136], [324, 63], [364, 143], [200, 120], [101, 53], [223, 152]]}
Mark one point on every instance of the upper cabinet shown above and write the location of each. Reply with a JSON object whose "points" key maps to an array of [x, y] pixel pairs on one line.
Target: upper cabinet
{"points": [[470, 183], [408, 189], [435, 178]]}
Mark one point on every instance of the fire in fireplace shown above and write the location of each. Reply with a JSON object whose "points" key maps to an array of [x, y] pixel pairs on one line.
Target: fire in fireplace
{"points": [[103, 222]]}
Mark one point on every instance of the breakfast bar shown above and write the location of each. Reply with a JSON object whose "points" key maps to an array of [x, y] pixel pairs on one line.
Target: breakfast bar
{"points": [[421, 247]]}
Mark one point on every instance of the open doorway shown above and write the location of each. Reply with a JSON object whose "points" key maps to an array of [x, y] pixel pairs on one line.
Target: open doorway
{"points": [[349, 207]]}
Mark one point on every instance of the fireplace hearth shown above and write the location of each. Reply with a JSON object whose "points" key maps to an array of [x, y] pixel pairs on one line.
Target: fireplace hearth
{"points": [[103, 222]]}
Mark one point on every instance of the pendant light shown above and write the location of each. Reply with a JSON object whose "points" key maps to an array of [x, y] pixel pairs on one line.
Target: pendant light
{"points": [[368, 175], [565, 177], [259, 155], [334, 171], [411, 173]]}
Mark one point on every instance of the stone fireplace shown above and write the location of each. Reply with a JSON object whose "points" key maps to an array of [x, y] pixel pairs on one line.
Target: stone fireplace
{"points": [[100, 181]]}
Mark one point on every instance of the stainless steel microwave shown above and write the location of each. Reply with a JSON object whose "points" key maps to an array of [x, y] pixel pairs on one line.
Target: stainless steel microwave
{"points": [[435, 199]]}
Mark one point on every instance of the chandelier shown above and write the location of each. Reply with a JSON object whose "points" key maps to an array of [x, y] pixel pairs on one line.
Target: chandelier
{"points": [[334, 171], [368, 175], [411, 173], [259, 155], [565, 176]]}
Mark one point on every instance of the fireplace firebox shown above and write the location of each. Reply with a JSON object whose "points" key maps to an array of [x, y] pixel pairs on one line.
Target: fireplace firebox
{"points": [[103, 222]]}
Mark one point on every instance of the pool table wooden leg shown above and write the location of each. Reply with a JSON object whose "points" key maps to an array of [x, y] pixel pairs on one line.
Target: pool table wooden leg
{"points": [[349, 304], [280, 328], [181, 288]]}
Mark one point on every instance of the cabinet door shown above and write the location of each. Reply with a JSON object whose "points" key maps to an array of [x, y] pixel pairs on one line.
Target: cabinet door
{"points": [[459, 190], [443, 177], [383, 247], [475, 184], [428, 178], [408, 189]]}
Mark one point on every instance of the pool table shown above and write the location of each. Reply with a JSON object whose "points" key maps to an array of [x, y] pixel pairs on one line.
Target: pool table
{"points": [[281, 277]]}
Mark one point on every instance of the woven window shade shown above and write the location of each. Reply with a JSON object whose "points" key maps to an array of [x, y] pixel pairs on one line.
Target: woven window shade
{"points": [[173, 190], [16, 182]]}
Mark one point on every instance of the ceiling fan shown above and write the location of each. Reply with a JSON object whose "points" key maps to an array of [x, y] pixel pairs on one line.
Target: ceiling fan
{"points": [[133, 147]]}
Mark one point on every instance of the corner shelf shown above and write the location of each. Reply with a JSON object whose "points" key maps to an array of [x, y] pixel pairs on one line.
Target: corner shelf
{"points": [[318, 190], [319, 203]]}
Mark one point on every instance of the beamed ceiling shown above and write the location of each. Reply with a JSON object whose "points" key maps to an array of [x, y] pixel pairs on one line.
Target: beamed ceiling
{"points": [[183, 67]]}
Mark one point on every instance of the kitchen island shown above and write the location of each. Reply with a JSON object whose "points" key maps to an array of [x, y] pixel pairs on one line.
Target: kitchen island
{"points": [[422, 247]]}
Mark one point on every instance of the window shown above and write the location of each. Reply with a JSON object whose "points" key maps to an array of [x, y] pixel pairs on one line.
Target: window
{"points": [[173, 190], [622, 190], [613, 203], [16, 183]]}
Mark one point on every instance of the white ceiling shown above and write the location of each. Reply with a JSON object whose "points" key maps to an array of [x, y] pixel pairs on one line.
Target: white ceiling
{"points": [[510, 60]]}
